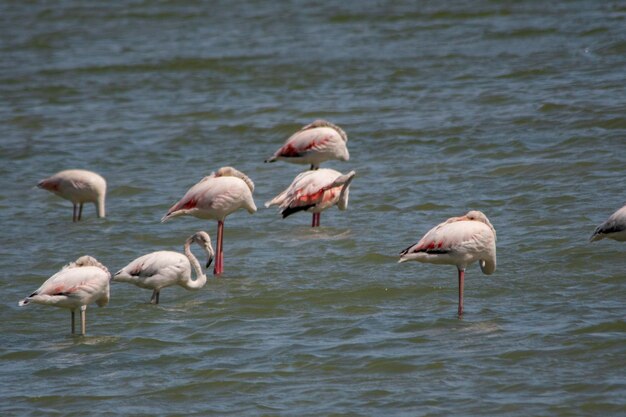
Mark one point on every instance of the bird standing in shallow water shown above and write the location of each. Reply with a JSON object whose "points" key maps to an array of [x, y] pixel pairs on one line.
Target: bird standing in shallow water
{"points": [[76, 285], [313, 144], [79, 186], [314, 191], [613, 228], [162, 269], [458, 241], [215, 197]]}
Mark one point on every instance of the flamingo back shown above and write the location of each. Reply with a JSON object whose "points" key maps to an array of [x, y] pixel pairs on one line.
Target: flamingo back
{"points": [[73, 287], [456, 242], [311, 191], [155, 270], [214, 198], [314, 143]]}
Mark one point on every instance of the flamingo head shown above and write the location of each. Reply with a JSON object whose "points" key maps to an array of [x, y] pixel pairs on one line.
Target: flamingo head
{"points": [[203, 239]]}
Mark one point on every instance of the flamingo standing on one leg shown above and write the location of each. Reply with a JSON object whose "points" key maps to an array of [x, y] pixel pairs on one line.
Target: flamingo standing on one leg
{"points": [[79, 186], [313, 144], [458, 241], [215, 197], [76, 285], [162, 269], [314, 191], [613, 228]]}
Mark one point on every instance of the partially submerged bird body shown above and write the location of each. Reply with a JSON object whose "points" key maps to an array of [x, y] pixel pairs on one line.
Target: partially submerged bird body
{"points": [[613, 228], [314, 191], [76, 285], [78, 186], [458, 241], [313, 144], [161, 269]]}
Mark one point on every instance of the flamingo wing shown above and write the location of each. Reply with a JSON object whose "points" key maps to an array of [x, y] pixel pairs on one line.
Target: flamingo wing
{"points": [[309, 189], [456, 238], [78, 286], [319, 139], [214, 198], [155, 270]]}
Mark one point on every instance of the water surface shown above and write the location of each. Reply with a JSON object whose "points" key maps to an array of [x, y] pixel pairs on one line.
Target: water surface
{"points": [[513, 108]]}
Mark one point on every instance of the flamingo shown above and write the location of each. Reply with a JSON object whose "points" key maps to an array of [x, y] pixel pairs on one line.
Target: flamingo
{"points": [[79, 186], [76, 285], [613, 228], [314, 191], [162, 269], [313, 144], [215, 197], [458, 241]]}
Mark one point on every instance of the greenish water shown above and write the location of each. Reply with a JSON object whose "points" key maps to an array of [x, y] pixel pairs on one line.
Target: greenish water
{"points": [[513, 108]]}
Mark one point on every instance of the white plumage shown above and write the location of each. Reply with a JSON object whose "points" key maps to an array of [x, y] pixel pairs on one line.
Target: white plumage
{"points": [[161, 269], [458, 241], [78, 186], [314, 191], [76, 285], [313, 144], [215, 197]]}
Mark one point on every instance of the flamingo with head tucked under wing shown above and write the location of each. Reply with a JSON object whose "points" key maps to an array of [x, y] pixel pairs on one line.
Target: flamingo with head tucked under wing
{"points": [[79, 186], [215, 197], [458, 241], [161, 269], [313, 144], [76, 285], [314, 191]]}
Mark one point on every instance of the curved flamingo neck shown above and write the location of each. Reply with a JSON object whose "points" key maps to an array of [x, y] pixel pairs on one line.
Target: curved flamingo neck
{"points": [[100, 206], [200, 281]]}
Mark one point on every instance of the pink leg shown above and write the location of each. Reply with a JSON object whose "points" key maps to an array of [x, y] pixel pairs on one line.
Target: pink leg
{"points": [[218, 269], [461, 279], [316, 220]]}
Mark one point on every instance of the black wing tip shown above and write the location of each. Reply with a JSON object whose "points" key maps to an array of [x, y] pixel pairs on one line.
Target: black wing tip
{"points": [[291, 210]]}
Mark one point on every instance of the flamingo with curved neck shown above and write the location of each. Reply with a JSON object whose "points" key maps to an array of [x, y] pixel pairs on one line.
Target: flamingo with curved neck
{"points": [[161, 269]]}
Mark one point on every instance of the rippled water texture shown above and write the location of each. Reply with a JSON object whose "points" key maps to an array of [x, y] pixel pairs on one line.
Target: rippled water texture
{"points": [[513, 108]]}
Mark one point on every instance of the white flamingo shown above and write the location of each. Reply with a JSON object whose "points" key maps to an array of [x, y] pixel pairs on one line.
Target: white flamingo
{"points": [[613, 228], [76, 285], [215, 197], [314, 191], [162, 269], [313, 144], [78, 186], [458, 241]]}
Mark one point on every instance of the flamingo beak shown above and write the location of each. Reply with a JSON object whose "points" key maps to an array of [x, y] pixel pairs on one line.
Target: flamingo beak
{"points": [[209, 262]]}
